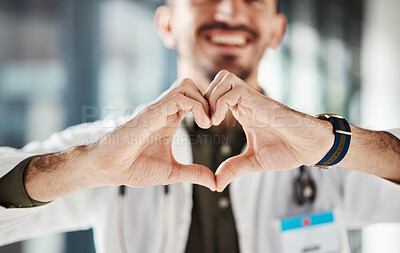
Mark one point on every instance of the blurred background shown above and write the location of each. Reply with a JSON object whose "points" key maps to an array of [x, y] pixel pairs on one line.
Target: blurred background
{"points": [[59, 56]]}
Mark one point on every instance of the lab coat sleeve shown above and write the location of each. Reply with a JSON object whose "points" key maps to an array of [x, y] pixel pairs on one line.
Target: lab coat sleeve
{"points": [[369, 199], [77, 135], [71, 212]]}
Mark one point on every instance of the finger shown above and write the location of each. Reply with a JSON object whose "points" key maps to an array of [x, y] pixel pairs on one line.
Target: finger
{"points": [[231, 169], [196, 174], [180, 103], [188, 88], [215, 82], [228, 82], [223, 103]]}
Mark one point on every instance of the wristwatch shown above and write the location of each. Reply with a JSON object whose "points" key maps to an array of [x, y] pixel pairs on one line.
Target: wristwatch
{"points": [[342, 131]]}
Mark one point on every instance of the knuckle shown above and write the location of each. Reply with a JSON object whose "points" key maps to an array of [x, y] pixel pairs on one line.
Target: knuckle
{"points": [[186, 83], [223, 72], [186, 80], [181, 86], [230, 76]]}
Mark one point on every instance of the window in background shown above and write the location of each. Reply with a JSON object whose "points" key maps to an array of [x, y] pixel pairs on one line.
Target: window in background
{"points": [[32, 72], [32, 81], [135, 67], [316, 69]]}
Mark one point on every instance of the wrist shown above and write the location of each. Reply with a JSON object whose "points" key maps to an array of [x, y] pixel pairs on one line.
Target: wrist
{"points": [[342, 137], [51, 176], [323, 140]]}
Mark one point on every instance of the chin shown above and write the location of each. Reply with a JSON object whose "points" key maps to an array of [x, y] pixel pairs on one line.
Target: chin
{"points": [[242, 72], [229, 62]]}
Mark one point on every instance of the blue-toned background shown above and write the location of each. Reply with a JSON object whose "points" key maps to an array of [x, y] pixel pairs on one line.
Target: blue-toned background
{"points": [[58, 57]]}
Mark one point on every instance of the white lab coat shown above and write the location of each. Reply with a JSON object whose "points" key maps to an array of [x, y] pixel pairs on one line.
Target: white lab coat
{"points": [[151, 217]]}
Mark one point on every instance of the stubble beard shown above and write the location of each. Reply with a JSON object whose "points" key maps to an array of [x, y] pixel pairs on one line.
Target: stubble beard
{"points": [[226, 62]]}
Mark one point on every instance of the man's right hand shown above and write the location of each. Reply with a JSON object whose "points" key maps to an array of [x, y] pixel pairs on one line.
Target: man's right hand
{"points": [[137, 154]]}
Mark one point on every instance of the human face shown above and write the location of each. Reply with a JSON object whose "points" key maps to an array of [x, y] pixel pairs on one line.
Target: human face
{"points": [[212, 35]]}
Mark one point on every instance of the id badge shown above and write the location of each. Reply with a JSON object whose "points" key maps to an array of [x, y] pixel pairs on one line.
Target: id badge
{"points": [[311, 233]]}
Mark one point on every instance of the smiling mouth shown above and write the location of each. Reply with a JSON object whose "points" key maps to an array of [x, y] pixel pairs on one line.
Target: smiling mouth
{"points": [[229, 40]]}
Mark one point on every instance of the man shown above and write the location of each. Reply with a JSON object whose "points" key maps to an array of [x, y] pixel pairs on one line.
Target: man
{"points": [[152, 150]]}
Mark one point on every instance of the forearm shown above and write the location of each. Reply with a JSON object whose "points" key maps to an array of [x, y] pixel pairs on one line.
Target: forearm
{"points": [[50, 176], [374, 152]]}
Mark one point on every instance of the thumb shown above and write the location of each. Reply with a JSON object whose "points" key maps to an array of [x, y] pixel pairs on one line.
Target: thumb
{"points": [[231, 169], [196, 174]]}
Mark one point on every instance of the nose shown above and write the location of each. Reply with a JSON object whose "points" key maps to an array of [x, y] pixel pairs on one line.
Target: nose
{"points": [[231, 12]]}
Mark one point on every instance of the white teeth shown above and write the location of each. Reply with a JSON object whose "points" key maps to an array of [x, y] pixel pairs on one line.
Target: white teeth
{"points": [[229, 40]]}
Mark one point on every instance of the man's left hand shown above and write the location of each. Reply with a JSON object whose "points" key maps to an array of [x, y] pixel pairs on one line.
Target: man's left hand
{"points": [[278, 137]]}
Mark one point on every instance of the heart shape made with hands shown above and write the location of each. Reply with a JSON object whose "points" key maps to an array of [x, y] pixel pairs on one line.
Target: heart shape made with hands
{"points": [[278, 138]]}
